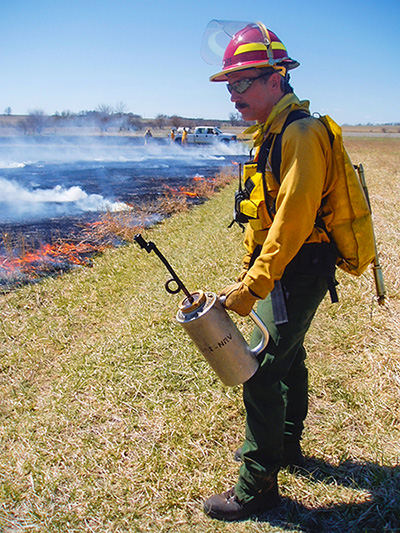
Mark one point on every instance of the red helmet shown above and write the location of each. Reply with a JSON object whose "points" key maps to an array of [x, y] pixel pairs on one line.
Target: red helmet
{"points": [[253, 46]]}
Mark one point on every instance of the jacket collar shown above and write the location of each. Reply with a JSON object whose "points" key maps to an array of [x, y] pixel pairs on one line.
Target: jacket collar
{"points": [[277, 117]]}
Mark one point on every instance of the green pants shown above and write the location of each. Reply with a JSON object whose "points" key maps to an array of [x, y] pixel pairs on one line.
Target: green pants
{"points": [[276, 397]]}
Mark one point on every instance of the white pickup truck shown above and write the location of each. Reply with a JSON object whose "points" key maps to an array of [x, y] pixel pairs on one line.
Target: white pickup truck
{"points": [[206, 135]]}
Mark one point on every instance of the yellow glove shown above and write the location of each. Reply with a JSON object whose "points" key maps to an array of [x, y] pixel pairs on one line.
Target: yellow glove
{"points": [[242, 275], [238, 298]]}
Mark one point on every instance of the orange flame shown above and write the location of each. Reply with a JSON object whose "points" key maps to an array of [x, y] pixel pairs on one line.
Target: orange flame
{"points": [[192, 194], [48, 256], [181, 191]]}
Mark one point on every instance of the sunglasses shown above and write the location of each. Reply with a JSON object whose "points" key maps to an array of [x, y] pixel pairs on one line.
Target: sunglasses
{"points": [[242, 85]]}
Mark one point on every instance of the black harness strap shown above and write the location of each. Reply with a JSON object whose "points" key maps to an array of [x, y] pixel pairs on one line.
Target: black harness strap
{"points": [[275, 141], [277, 295], [276, 156]]}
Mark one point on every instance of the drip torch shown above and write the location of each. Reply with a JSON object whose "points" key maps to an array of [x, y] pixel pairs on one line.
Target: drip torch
{"points": [[377, 269], [206, 321]]}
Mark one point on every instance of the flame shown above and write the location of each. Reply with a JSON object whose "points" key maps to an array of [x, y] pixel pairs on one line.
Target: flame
{"points": [[181, 191], [191, 194], [47, 259], [50, 256], [195, 191], [94, 224]]}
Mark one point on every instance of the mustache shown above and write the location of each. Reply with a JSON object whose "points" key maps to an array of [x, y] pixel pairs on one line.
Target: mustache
{"points": [[240, 106]]}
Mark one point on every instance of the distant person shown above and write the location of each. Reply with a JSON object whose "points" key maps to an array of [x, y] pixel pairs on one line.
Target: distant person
{"points": [[148, 136], [184, 136], [172, 135], [290, 260]]}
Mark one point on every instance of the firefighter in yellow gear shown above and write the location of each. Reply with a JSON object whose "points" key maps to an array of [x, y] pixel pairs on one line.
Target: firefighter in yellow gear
{"points": [[289, 264]]}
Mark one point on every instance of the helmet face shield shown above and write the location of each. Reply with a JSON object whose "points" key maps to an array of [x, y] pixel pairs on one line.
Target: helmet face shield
{"points": [[243, 45], [216, 38]]}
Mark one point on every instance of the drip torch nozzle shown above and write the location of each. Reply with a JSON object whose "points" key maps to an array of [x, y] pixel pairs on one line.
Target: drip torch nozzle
{"points": [[150, 246]]}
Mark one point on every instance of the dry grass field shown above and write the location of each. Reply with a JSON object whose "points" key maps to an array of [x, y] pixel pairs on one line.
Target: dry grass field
{"points": [[110, 420]]}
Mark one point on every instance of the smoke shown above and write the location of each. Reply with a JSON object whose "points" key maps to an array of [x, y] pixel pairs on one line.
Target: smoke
{"points": [[52, 177], [19, 203], [17, 151]]}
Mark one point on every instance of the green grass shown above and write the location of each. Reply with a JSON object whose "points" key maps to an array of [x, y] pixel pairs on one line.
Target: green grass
{"points": [[111, 421]]}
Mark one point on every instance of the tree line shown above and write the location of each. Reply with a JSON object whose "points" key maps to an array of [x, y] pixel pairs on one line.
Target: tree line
{"points": [[105, 117]]}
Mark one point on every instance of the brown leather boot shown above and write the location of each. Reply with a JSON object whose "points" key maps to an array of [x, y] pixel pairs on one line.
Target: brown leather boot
{"points": [[227, 506]]}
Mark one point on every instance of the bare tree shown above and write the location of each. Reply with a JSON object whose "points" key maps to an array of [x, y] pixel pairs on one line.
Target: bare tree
{"points": [[176, 121], [34, 122], [235, 119], [160, 121], [120, 108], [103, 115], [134, 122]]}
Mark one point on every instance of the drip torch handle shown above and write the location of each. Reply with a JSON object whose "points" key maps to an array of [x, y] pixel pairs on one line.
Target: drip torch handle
{"points": [[149, 247], [259, 323]]}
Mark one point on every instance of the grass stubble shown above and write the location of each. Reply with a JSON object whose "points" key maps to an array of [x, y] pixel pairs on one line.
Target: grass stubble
{"points": [[111, 421]]}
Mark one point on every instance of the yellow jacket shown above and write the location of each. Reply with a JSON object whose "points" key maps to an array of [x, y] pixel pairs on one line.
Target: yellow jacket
{"points": [[306, 177]]}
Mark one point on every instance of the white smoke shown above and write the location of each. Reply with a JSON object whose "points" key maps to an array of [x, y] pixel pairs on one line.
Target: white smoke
{"points": [[17, 152], [20, 203]]}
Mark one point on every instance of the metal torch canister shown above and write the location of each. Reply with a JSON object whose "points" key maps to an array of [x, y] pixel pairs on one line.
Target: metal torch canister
{"points": [[218, 338]]}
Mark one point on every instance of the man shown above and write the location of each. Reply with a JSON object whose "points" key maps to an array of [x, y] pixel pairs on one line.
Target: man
{"points": [[148, 136], [289, 263]]}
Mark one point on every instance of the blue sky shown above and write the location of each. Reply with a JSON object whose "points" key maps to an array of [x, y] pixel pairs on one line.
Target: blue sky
{"points": [[78, 54]]}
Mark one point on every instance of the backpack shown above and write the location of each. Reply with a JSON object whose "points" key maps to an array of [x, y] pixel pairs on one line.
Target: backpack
{"points": [[351, 227]]}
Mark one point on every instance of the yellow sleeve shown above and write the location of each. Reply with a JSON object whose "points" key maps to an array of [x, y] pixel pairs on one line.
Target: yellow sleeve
{"points": [[306, 156]]}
